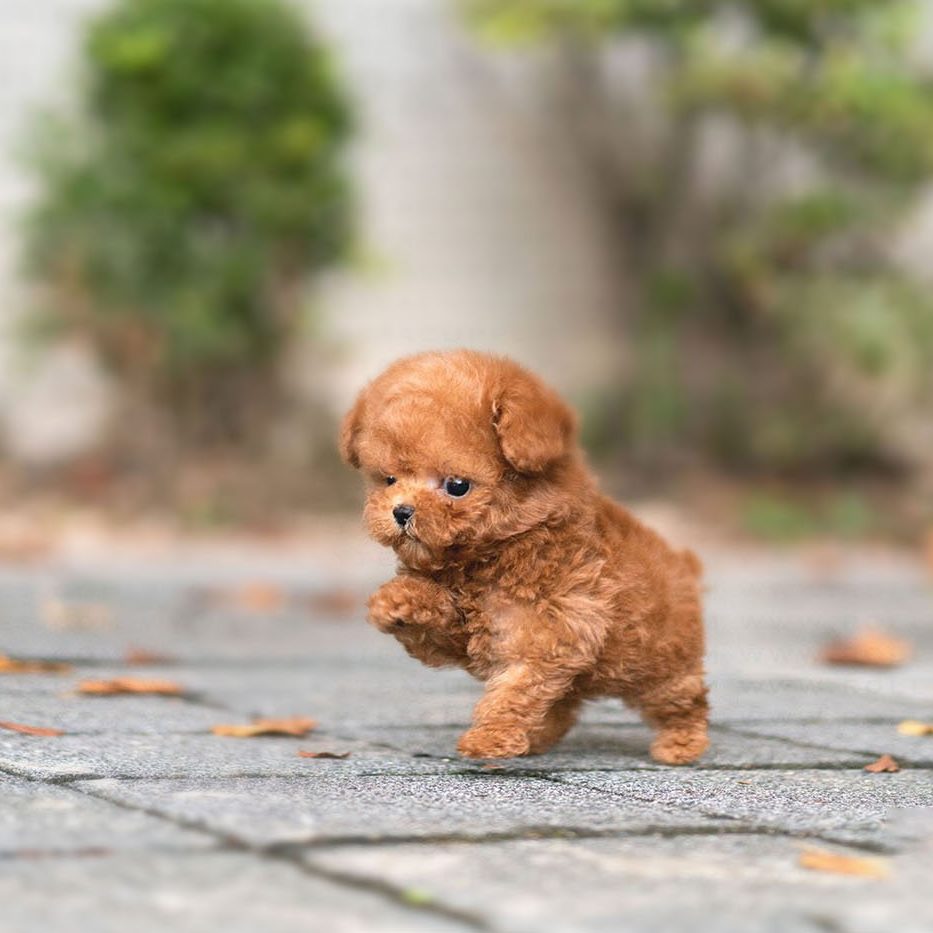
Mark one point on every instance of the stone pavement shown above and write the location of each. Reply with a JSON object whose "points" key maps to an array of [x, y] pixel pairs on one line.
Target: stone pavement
{"points": [[139, 817]]}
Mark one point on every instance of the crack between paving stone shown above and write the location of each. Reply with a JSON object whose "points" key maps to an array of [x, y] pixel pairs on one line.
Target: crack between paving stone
{"points": [[182, 776], [752, 826], [544, 775], [12, 855], [818, 765], [55, 779], [615, 724], [387, 890], [802, 743], [519, 834], [544, 833], [128, 733], [810, 721]]}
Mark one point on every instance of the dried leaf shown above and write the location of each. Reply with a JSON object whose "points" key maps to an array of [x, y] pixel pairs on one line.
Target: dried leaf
{"points": [[143, 656], [821, 860], [29, 730], [884, 764], [258, 597], [913, 727], [340, 755], [19, 666], [338, 602], [129, 685], [868, 648], [296, 726]]}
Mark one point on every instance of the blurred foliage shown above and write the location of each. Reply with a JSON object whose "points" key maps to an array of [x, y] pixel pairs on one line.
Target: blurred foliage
{"points": [[774, 328], [783, 518], [188, 203]]}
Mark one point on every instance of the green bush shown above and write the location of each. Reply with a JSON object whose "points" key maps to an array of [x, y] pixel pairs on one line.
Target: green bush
{"points": [[188, 204], [771, 326]]}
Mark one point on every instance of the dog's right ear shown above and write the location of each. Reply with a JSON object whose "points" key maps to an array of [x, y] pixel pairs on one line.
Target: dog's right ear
{"points": [[534, 426], [350, 432]]}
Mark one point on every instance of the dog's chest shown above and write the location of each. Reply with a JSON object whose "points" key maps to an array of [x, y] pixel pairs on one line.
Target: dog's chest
{"points": [[481, 602], [471, 593]]}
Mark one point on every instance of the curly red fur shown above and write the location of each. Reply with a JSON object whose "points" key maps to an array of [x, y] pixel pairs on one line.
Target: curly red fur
{"points": [[533, 581]]}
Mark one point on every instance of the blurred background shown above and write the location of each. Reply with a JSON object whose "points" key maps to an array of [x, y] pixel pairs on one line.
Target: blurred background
{"points": [[708, 223]]}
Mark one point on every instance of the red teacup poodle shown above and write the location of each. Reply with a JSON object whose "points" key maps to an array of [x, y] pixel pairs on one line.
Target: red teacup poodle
{"points": [[513, 566]]}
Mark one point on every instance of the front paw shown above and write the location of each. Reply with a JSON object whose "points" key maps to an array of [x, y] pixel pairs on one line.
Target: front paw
{"points": [[399, 604], [490, 742]]}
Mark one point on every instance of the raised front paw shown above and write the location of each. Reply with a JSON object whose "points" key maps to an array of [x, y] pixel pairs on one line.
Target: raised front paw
{"points": [[408, 601], [493, 742]]}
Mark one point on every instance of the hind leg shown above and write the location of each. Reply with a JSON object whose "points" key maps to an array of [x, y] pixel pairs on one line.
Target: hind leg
{"points": [[559, 721], [678, 710]]}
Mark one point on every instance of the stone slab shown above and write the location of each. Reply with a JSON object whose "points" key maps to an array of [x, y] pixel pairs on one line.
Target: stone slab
{"points": [[197, 756], [869, 739], [99, 618], [850, 806], [332, 806], [233, 892], [735, 699], [732, 883], [40, 819], [77, 714]]}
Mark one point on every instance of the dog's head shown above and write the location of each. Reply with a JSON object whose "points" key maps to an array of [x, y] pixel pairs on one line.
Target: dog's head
{"points": [[462, 450]]}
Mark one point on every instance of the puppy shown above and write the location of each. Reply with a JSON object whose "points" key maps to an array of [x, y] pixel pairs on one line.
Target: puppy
{"points": [[513, 566]]}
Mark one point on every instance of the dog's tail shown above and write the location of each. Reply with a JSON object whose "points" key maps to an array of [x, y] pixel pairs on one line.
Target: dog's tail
{"points": [[693, 563]]}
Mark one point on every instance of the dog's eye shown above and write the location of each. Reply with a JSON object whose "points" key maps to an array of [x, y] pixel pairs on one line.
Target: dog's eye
{"points": [[456, 487], [390, 481]]}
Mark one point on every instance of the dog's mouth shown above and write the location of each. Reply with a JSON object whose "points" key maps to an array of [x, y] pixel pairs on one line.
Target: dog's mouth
{"points": [[408, 531], [415, 553]]}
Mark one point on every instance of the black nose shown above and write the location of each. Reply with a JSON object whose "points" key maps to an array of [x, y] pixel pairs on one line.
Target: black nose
{"points": [[402, 514]]}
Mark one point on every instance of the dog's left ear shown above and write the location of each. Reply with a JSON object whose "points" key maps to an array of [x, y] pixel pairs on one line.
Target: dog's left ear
{"points": [[348, 442], [534, 426]]}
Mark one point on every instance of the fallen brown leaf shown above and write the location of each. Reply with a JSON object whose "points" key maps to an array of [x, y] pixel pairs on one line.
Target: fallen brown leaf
{"points": [[143, 656], [29, 730], [296, 726], [913, 727], [21, 666], [821, 860], [868, 648], [258, 597], [304, 754], [884, 764], [335, 602], [129, 685]]}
